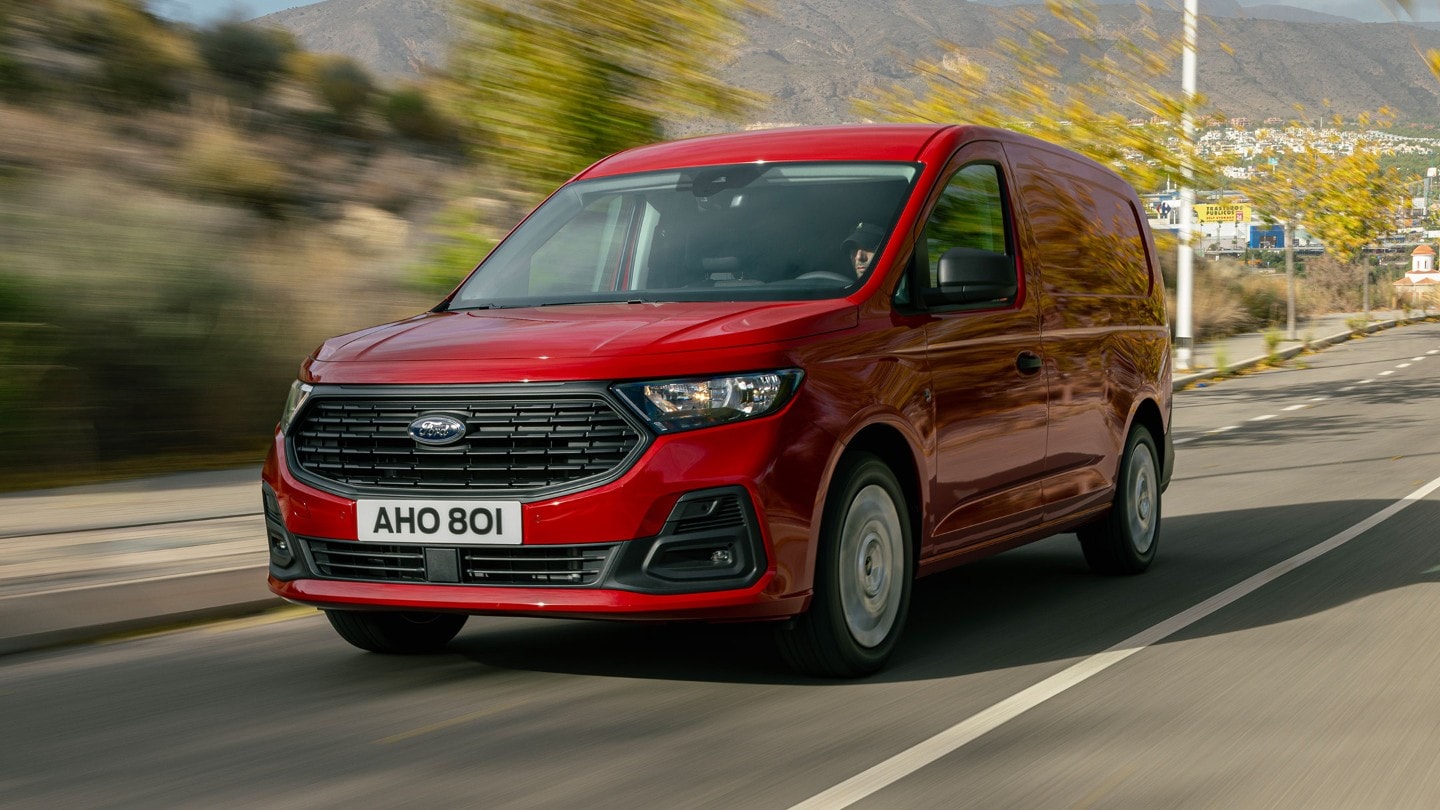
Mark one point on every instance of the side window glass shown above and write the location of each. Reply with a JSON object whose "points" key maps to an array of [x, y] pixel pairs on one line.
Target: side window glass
{"points": [[970, 213]]}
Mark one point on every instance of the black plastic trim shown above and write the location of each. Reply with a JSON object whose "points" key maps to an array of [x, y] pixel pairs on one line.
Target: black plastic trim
{"points": [[638, 567]]}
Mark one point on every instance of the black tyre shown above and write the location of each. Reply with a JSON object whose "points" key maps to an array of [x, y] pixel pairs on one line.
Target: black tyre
{"points": [[1124, 541], [396, 633], [863, 574]]}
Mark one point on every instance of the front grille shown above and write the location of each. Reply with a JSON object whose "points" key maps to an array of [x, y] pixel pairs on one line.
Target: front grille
{"points": [[513, 445], [572, 566], [371, 562]]}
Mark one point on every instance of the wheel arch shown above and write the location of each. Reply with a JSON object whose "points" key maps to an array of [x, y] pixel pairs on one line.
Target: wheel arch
{"points": [[1147, 414], [890, 446]]}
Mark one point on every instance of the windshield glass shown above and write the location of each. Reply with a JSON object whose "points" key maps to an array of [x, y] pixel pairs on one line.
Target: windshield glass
{"points": [[746, 232]]}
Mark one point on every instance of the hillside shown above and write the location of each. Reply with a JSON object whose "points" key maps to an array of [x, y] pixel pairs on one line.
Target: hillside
{"points": [[813, 57]]}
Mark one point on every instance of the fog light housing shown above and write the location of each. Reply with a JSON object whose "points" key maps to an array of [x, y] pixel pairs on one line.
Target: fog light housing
{"points": [[282, 553]]}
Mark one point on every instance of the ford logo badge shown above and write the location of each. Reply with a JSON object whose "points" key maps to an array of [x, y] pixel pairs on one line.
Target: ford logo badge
{"points": [[436, 429]]}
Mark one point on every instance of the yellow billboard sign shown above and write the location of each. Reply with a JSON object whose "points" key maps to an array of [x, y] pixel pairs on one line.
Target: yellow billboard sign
{"points": [[1222, 212]]}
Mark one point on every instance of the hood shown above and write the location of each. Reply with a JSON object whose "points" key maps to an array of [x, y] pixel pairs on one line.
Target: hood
{"points": [[587, 331]]}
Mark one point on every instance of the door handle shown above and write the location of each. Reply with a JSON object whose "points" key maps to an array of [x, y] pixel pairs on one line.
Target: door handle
{"points": [[1029, 363]]}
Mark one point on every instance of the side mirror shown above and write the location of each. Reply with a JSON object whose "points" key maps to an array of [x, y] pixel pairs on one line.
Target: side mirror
{"points": [[972, 275]]}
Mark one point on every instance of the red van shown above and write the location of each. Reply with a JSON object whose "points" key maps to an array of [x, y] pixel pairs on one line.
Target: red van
{"points": [[767, 376]]}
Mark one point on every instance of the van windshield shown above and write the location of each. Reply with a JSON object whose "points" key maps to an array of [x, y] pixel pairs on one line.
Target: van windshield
{"points": [[748, 232]]}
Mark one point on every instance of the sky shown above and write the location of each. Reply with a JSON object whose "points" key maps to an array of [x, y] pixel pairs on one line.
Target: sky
{"points": [[204, 11]]}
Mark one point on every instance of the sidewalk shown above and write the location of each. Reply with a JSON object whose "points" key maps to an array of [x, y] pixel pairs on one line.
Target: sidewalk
{"points": [[84, 562], [81, 563], [1215, 359]]}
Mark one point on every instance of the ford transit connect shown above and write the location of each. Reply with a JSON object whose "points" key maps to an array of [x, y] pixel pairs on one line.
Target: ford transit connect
{"points": [[767, 376]]}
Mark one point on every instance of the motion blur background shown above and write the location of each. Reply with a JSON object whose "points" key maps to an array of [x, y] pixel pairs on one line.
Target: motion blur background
{"points": [[190, 201]]}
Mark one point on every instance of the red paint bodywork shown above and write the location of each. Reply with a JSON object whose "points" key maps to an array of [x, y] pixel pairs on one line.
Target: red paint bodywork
{"points": [[991, 458]]}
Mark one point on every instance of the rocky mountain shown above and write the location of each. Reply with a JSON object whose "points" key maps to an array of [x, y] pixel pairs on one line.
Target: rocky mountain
{"points": [[813, 58]]}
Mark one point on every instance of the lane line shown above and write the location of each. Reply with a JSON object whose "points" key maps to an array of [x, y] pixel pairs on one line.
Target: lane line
{"points": [[1362, 382], [948, 741], [1223, 429], [1386, 373], [1402, 365], [1347, 388], [1262, 418], [1319, 399], [1183, 441], [1294, 407]]}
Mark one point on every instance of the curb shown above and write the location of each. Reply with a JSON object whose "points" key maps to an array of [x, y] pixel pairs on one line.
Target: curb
{"points": [[70, 615], [1179, 383]]}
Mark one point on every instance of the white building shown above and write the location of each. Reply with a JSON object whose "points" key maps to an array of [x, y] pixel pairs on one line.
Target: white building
{"points": [[1420, 286]]}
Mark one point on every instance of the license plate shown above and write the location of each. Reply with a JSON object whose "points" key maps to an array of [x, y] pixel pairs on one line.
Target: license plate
{"points": [[439, 522]]}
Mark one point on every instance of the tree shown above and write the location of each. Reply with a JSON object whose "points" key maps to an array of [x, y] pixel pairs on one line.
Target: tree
{"points": [[1344, 198], [1278, 193], [1352, 207], [1119, 116], [546, 92]]}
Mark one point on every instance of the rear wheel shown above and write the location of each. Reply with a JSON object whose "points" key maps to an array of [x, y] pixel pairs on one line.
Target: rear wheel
{"points": [[863, 574], [1124, 541], [396, 633]]}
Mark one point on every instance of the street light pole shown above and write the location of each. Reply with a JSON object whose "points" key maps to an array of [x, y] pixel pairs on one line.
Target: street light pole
{"points": [[1185, 259]]}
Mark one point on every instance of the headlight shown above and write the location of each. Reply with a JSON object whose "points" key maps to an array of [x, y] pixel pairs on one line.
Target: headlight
{"points": [[299, 392], [674, 405]]}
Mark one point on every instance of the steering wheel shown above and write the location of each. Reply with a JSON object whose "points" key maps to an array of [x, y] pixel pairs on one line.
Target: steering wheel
{"points": [[827, 275]]}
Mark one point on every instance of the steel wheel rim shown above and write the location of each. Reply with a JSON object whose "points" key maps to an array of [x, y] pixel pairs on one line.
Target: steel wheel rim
{"points": [[1144, 491], [871, 555]]}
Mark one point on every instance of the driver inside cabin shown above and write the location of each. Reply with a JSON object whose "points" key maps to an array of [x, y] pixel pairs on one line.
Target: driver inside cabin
{"points": [[860, 247]]}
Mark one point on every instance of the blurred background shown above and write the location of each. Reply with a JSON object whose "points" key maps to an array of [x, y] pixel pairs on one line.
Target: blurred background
{"points": [[190, 200], [185, 212]]}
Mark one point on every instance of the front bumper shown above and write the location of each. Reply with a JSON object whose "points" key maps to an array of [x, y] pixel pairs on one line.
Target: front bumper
{"points": [[683, 534]]}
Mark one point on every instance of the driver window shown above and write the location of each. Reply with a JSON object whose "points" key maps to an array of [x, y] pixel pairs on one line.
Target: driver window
{"points": [[970, 213]]}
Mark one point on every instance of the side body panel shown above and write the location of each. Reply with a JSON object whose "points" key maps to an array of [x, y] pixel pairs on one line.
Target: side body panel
{"points": [[1102, 318]]}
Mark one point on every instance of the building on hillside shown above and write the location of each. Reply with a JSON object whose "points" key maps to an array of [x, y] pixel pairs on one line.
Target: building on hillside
{"points": [[1420, 288]]}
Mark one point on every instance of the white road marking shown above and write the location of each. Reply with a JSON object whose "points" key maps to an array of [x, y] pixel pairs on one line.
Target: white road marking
{"points": [[1223, 429], [1362, 382], [1294, 407], [1386, 373], [1433, 351], [1318, 399], [1347, 388], [1262, 418], [952, 739], [1403, 365], [1183, 441], [1417, 359]]}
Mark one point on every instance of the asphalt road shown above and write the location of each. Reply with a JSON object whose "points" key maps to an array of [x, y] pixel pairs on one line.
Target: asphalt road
{"points": [[1282, 652]]}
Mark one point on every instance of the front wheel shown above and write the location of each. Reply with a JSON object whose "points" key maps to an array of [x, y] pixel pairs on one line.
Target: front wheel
{"points": [[864, 570], [1124, 541], [396, 633]]}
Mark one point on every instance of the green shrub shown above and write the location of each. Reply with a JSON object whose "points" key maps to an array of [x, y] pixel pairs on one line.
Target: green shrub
{"points": [[149, 324], [344, 85], [251, 56], [218, 162], [409, 112]]}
